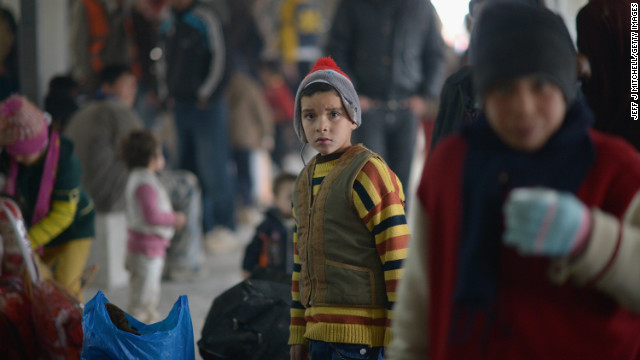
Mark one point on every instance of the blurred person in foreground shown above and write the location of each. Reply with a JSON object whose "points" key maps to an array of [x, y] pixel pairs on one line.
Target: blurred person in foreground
{"points": [[458, 103], [526, 230]]}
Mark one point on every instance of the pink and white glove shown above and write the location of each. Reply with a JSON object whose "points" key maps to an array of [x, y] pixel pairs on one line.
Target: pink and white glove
{"points": [[540, 221]]}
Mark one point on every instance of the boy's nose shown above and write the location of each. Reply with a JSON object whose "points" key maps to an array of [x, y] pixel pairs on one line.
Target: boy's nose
{"points": [[524, 102], [323, 125]]}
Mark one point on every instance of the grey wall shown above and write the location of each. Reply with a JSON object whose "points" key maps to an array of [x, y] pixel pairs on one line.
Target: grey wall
{"points": [[44, 45]]}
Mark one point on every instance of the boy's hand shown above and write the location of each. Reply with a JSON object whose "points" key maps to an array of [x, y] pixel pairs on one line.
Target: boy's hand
{"points": [[180, 220], [540, 221], [299, 352]]}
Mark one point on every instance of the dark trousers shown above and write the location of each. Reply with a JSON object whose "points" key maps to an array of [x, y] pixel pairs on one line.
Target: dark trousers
{"points": [[203, 149], [392, 135], [244, 178]]}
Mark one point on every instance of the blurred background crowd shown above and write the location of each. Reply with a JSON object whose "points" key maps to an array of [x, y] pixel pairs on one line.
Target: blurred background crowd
{"points": [[215, 80]]}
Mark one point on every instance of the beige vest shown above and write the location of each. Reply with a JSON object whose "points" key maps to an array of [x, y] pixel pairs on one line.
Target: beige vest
{"points": [[339, 261]]}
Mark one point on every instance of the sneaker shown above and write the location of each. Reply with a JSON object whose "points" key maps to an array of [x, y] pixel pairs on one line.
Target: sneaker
{"points": [[220, 240]]}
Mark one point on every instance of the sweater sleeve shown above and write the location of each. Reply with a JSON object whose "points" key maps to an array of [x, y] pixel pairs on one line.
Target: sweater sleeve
{"points": [[610, 261], [64, 202], [59, 218], [409, 325], [147, 198], [298, 323], [217, 47], [379, 200]]}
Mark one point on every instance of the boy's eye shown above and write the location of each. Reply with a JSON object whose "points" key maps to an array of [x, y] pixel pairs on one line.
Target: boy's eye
{"points": [[307, 116], [335, 114], [540, 83]]}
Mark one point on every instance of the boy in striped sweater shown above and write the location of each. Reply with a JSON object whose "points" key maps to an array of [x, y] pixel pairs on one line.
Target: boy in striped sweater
{"points": [[351, 234]]}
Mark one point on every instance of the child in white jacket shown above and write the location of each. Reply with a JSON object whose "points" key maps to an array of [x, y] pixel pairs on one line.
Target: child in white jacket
{"points": [[151, 222]]}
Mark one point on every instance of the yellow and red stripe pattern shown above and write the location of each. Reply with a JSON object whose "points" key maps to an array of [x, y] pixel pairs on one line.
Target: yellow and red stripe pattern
{"points": [[379, 200]]}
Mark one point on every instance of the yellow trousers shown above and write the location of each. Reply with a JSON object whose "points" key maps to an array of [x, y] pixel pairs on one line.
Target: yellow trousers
{"points": [[67, 262]]}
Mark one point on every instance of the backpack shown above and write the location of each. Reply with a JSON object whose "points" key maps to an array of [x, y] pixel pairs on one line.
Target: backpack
{"points": [[250, 321]]}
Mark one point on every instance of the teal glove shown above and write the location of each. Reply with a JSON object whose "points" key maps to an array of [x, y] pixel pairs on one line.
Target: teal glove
{"points": [[541, 221]]}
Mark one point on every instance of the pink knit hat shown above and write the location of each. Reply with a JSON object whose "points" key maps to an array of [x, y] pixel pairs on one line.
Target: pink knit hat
{"points": [[25, 123]]}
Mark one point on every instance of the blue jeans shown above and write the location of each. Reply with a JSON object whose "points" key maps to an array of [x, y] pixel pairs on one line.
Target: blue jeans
{"points": [[320, 350], [203, 149]]}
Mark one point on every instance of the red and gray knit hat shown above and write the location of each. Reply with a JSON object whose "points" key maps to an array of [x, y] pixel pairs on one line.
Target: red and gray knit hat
{"points": [[326, 71], [25, 123]]}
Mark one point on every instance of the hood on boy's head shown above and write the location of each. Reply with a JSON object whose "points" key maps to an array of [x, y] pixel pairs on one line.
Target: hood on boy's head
{"points": [[513, 40], [326, 71]]}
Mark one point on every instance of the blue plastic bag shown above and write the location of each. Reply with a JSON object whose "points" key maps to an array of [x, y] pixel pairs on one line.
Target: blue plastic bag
{"points": [[171, 338]]}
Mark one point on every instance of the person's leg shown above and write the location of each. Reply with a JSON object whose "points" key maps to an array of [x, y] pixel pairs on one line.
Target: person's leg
{"points": [[319, 350], [146, 108], [151, 297], [134, 263], [371, 132], [69, 260], [146, 276], [401, 142], [183, 113], [212, 159], [244, 183]]}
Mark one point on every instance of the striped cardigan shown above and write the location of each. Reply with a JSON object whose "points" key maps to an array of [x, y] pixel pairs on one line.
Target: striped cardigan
{"points": [[378, 199]]}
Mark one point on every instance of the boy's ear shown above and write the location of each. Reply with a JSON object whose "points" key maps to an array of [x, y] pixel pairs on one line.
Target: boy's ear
{"points": [[354, 125]]}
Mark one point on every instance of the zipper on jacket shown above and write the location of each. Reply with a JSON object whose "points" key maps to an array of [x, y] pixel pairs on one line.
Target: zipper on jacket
{"points": [[309, 180]]}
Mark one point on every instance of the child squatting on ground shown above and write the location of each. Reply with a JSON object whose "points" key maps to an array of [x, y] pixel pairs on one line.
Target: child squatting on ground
{"points": [[44, 176], [527, 223], [351, 233], [272, 246], [151, 222]]}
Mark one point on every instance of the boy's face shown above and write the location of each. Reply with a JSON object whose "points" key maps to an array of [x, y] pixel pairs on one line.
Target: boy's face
{"points": [[325, 122], [125, 88], [525, 112], [284, 196]]}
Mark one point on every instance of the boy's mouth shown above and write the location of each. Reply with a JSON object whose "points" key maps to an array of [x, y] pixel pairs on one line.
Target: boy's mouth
{"points": [[322, 140]]}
